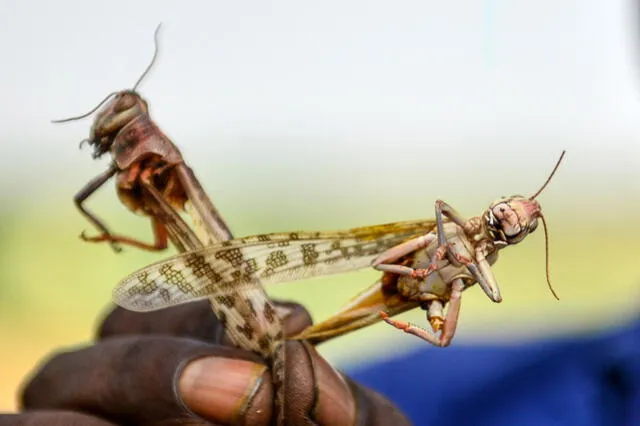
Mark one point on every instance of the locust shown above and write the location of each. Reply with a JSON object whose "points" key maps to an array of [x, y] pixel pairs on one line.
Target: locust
{"points": [[425, 263], [147, 166], [153, 179]]}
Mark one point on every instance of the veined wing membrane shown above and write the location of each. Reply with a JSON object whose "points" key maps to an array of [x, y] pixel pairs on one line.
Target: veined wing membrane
{"points": [[225, 268]]}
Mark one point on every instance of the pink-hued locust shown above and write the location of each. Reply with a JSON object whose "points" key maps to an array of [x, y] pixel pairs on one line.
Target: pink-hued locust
{"points": [[426, 263], [153, 179]]}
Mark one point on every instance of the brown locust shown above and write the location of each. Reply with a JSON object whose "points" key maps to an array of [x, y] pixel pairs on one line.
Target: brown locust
{"points": [[426, 263], [146, 165], [153, 179]]}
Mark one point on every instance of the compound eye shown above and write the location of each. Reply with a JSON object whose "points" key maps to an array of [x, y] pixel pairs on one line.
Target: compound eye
{"points": [[124, 102], [533, 225], [509, 221], [499, 210]]}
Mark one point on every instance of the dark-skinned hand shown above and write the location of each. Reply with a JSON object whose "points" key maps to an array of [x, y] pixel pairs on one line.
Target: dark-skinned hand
{"points": [[176, 367]]}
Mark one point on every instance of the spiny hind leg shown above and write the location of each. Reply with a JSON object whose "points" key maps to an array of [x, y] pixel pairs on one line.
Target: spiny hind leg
{"points": [[448, 327]]}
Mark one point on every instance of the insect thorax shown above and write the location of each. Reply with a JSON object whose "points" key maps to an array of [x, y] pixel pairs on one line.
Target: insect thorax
{"points": [[140, 138], [438, 284]]}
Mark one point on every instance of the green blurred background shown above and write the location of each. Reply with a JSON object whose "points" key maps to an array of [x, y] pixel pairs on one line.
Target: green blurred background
{"points": [[316, 117]]}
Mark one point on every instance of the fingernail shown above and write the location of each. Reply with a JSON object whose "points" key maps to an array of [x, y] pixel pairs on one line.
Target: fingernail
{"points": [[219, 389]]}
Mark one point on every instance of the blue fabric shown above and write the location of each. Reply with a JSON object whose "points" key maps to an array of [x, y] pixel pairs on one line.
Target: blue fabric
{"points": [[579, 381]]}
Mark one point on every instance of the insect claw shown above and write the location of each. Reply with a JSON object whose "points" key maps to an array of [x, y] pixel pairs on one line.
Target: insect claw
{"points": [[85, 237], [82, 142], [421, 274], [104, 237], [442, 250]]}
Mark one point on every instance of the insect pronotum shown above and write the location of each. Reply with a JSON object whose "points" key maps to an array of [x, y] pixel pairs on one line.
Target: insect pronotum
{"points": [[152, 178], [426, 263]]}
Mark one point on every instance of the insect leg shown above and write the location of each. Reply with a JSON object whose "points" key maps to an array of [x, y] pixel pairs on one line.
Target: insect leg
{"points": [[182, 235], [86, 192], [481, 271], [159, 237], [443, 208], [383, 261], [159, 230], [166, 222], [450, 321], [444, 247], [484, 275]]}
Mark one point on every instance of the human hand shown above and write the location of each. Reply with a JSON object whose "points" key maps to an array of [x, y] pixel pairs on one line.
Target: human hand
{"points": [[176, 366]]}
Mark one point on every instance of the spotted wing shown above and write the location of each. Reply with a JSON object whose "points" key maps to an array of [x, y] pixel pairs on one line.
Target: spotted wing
{"points": [[222, 269]]}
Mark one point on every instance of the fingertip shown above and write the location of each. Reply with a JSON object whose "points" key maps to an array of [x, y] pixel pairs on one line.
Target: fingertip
{"points": [[226, 390], [295, 317], [335, 403]]}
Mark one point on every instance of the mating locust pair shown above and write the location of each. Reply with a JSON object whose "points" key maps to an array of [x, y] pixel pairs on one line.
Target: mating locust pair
{"points": [[425, 263]]}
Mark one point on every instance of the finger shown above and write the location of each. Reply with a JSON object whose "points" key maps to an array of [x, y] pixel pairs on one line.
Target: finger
{"points": [[154, 379], [374, 409], [131, 380], [313, 389], [316, 394], [295, 316], [195, 320], [52, 418]]}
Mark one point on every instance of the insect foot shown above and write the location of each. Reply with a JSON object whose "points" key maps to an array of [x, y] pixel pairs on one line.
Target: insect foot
{"points": [[98, 238], [409, 328], [420, 274], [462, 259], [400, 325], [440, 254]]}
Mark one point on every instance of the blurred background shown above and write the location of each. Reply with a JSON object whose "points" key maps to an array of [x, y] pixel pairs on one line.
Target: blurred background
{"points": [[300, 116]]}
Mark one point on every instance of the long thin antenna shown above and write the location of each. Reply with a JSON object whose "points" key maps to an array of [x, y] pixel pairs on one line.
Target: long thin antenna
{"points": [[153, 59], [549, 178], [79, 117], [144, 74], [546, 251]]}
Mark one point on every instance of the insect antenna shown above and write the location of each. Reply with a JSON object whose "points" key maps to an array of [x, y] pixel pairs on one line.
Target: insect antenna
{"points": [[549, 178], [546, 252], [544, 223], [153, 59], [94, 109], [144, 74]]}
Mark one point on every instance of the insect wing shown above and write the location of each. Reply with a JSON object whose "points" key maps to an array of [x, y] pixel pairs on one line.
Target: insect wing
{"points": [[208, 223], [225, 268], [361, 311]]}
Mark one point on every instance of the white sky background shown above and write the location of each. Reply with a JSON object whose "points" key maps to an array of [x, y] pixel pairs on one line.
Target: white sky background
{"points": [[317, 115], [304, 95]]}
